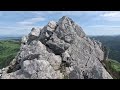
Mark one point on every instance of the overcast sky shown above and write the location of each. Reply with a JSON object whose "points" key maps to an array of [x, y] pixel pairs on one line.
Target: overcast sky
{"points": [[17, 23]]}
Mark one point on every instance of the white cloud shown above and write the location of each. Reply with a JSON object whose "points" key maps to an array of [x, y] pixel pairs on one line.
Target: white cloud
{"points": [[16, 30], [18, 27], [111, 15], [72, 13], [32, 21], [102, 30], [97, 26], [101, 21]]}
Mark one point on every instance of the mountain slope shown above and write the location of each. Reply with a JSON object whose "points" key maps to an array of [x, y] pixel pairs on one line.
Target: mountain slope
{"points": [[60, 50]]}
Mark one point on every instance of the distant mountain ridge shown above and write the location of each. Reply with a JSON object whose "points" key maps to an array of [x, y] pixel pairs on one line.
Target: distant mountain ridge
{"points": [[8, 38]]}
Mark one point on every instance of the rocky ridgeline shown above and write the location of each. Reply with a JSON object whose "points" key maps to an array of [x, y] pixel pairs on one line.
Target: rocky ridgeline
{"points": [[60, 50]]}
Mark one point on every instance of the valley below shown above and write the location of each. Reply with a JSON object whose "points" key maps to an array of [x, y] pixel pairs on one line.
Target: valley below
{"points": [[8, 50]]}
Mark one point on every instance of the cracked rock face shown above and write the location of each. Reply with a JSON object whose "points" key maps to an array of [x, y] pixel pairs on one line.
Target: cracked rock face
{"points": [[60, 50]]}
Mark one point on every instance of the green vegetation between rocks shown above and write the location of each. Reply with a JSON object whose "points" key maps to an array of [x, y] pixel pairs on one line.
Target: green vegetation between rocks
{"points": [[8, 51], [113, 67]]}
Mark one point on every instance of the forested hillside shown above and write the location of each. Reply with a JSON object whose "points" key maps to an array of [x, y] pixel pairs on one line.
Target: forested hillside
{"points": [[8, 50]]}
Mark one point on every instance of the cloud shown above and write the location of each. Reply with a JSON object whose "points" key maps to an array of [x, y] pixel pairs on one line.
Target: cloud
{"points": [[32, 21], [43, 12], [111, 15], [111, 26], [106, 31], [16, 30], [93, 22], [18, 27], [102, 30], [71, 13]]}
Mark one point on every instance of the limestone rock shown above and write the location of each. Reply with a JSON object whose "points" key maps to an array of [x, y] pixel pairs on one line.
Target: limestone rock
{"points": [[55, 61], [57, 45], [34, 34], [41, 68], [0, 71], [60, 50], [24, 39], [52, 24]]}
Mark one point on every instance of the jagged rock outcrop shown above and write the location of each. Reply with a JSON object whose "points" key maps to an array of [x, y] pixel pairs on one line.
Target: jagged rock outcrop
{"points": [[60, 50]]}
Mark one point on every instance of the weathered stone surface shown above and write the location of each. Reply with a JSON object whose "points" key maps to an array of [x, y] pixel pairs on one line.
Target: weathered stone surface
{"points": [[52, 24], [34, 69], [0, 71], [57, 45], [34, 33], [47, 32], [24, 40], [15, 75], [58, 51], [55, 61], [65, 31], [42, 68]]}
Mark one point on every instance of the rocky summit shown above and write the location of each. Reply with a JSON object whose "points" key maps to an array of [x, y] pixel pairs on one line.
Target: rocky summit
{"points": [[59, 50]]}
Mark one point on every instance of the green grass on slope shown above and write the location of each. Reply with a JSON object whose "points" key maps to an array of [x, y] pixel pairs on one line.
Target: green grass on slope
{"points": [[113, 67], [8, 50]]}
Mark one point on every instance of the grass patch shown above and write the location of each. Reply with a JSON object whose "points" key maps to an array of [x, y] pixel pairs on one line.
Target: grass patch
{"points": [[113, 67]]}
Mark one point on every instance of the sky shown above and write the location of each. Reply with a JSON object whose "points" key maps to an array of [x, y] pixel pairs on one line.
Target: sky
{"points": [[19, 23]]}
